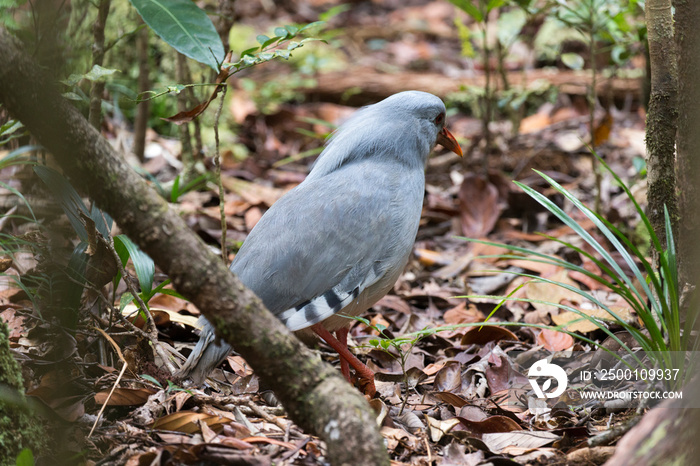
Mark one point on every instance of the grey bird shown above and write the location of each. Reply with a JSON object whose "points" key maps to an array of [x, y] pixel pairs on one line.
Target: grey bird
{"points": [[336, 244]]}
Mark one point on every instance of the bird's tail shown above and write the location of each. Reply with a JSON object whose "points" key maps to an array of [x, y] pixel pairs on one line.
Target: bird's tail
{"points": [[206, 355]]}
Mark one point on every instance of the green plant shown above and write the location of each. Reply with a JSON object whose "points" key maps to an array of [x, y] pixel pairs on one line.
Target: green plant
{"points": [[171, 386], [145, 272], [604, 27], [652, 294], [505, 99]]}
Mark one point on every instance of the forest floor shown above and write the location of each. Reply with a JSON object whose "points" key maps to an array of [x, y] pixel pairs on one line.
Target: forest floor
{"points": [[452, 395]]}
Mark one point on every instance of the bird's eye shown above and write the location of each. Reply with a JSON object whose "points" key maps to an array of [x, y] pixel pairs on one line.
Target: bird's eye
{"points": [[440, 119]]}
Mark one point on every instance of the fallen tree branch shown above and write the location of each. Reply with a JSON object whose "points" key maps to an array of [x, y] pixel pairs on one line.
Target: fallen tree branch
{"points": [[372, 85], [315, 396]]}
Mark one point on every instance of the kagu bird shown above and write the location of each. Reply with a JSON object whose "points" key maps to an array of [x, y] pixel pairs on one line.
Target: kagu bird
{"points": [[336, 244]]}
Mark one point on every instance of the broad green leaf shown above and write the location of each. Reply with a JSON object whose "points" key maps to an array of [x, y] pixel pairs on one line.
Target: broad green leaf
{"points": [[70, 200], [25, 458], [468, 7], [98, 73], [491, 4], [282, 54], [143, 264], [281, 32], [510, 23], [262, 38], [184, 26], [572, 60], [292, 30], [125, 300]]}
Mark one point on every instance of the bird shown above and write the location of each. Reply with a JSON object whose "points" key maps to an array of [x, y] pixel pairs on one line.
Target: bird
{"points": [[333, 246]]}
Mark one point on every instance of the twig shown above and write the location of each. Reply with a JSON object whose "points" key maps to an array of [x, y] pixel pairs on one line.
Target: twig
{"points": [[116, 383], [613, 434], [217, 163]]}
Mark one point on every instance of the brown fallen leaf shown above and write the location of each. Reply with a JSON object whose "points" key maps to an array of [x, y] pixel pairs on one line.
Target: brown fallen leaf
{"points": [[499, 441], [124, 396], [479, 206], [554, 341], [548, 295], [491, 424], [188, 421], [585, 325], [483, 335]]}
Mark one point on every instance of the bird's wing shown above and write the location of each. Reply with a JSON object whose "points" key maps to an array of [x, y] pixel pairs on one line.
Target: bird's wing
{"points": [[326, 241]]}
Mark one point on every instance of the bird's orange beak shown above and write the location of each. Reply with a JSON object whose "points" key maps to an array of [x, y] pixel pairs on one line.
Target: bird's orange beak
{"points": [[448, 141]]}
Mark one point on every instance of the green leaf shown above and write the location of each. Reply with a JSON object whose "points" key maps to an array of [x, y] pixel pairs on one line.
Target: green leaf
{"points": [[72, 96], [311, 25], [510, 23], [266, 56], [250, 51], [292, 30], [249, 60], [17, 157], [262, 38], [124, 300], [151, 379], [10, 127], [492, 4], [169, 291], [70, 200], [468, 7], [176, 88], [282, 54], [184, 26], [385, 343], [25, 458], [572, 60], [98, 74], [143, 264], [311, 39], [269, 42], [281, 32], [175, 191]]}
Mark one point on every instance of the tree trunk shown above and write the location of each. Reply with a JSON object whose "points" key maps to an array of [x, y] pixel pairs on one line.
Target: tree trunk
{"points": [[661, 118], [688, 143], [315, 395]]}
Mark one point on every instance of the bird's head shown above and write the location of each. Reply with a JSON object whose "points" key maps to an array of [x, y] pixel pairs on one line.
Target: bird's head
{"points": [[425, 109], [405, 127]]}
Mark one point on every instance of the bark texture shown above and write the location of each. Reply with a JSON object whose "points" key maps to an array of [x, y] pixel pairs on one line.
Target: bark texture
{"points": [[314, 395], [688, 142], [667, 435], [661, 117]]}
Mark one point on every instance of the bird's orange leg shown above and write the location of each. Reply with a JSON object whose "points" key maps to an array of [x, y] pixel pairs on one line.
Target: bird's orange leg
{"points": [[342, 336], [363, 372]]}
